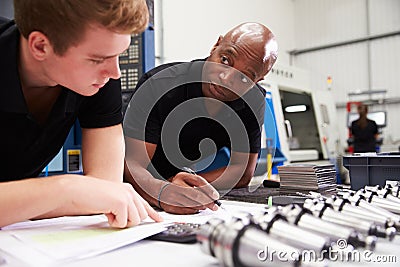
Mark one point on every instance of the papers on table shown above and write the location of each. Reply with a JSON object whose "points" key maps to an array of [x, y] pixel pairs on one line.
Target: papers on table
{"points": [[60, 241], [227, 210], [53, 241], [304, 178]]}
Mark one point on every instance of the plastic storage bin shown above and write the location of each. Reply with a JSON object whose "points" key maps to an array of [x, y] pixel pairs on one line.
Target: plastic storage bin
{"points": [[372, 169]]}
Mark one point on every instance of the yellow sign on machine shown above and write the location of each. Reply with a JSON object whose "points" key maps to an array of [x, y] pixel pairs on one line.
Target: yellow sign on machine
{"points": [[74, 160]]}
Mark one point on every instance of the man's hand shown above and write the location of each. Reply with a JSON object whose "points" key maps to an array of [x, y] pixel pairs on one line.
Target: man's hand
{"points": [[188, 194], [72, 194], [138, 209], [122, 205]]}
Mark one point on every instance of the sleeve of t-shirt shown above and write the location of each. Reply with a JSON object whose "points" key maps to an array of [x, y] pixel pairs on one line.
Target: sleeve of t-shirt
{"points": [[255, 131], [253, 119], [144, 116], [141, 119], [104, 108]]}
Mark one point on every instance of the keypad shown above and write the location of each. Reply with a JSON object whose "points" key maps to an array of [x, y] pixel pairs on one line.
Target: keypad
{"points": [[179, 232]]}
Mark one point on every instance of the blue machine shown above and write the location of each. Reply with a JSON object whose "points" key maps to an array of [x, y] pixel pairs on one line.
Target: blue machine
{"points": [[271, 131], [272, 140], [69, 159]]}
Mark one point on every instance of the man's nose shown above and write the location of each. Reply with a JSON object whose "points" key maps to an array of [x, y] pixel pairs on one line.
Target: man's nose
{"points": [[112, 69], [227, 76]]}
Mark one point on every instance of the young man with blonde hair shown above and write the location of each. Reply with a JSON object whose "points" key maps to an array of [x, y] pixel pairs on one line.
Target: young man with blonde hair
{"points": [[59, 63]]}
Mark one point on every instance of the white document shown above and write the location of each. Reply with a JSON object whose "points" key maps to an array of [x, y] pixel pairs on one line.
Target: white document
{"points": [[52, 241], [227, 210]]}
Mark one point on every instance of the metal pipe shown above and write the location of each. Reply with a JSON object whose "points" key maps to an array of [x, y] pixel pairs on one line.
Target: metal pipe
{"points": [[348, 42], [362, 210], [237, 243], [327, 213], [305, 220], [386, 204], [276, 225]]}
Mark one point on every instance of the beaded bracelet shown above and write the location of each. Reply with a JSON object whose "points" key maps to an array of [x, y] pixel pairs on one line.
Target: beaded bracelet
{"points": [[159, 194]]}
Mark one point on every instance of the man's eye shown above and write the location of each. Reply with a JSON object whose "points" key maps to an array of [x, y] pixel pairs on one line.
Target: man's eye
{"points": [[97, 61], [224, 60]]}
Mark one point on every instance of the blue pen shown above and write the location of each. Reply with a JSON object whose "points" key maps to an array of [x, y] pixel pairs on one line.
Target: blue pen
{"points": [[189, 170]]}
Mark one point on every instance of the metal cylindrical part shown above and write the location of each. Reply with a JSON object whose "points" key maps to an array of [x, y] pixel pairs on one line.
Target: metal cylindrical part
{"points": [[237, 244], [325, 212], [305, 220], [256, 248], [368, 228], [226, 242], [336, 217], [393, 198], [386, 204], [378, 210], [207, 234], [363, 214], [275, 224], [336, 232], [375, 200], [299, 237]]}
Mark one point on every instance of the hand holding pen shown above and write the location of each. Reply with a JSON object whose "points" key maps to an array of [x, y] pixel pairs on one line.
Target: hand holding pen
{"points": [[187, 193], [189, 170]]}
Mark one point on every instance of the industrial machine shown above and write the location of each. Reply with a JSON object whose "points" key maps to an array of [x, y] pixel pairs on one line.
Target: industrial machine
{"points": [[271, 155], [305, 117]]}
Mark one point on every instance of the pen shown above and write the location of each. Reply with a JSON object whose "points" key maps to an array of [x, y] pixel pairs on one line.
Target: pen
{"points": [[189, 170]]}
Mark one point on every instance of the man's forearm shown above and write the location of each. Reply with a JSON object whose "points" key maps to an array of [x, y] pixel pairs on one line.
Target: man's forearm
{"points": [[32, 198]]}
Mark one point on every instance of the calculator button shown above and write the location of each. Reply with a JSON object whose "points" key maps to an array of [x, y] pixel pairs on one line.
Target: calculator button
{"points": [[179, 233]]}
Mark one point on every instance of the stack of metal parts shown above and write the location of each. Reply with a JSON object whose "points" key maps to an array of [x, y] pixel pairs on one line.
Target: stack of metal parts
{"points": [[302, 178], [306, 235]]}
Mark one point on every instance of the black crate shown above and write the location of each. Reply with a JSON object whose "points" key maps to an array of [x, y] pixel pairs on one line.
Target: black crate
{"points": [[372, 170]]}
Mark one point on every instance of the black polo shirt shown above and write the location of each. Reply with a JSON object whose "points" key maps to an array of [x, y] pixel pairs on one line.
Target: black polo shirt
{"points": [[364, 138], [167, 109], [26, 146]]}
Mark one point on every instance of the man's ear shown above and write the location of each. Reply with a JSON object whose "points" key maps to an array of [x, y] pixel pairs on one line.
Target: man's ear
{"points": [[39, 45], [216, 44]]}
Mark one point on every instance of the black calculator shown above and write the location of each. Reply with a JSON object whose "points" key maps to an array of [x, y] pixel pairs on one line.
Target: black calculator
{"points": [[179, 232]]}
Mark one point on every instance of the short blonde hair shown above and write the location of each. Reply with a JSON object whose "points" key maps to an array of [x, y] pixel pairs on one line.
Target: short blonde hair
{"points": [[64, 21]]}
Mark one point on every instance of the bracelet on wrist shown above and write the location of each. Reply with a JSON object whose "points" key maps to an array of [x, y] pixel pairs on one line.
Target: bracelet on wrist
{"points": [[159, 194]]}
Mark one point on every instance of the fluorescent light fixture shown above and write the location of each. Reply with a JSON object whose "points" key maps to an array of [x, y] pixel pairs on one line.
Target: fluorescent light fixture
{"points": [[297, 108]]}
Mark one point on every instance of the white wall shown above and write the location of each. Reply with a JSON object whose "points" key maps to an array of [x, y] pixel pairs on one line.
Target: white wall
{"points": [[191, 27]]}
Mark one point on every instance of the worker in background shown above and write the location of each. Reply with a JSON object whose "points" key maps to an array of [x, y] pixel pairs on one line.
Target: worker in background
{"points": [[181, 113], [59, 63], [364, 132]]}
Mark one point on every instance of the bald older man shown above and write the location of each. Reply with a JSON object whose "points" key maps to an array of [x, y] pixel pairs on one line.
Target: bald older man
{"points": [[183, 113]]}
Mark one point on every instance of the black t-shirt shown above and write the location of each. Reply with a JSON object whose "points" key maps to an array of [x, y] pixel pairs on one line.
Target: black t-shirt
{"points": [[167, 109], [27, 146], [364, 138]]}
